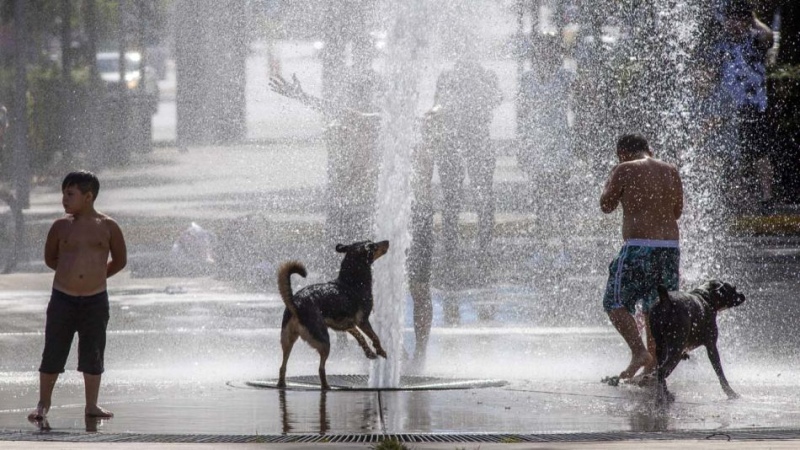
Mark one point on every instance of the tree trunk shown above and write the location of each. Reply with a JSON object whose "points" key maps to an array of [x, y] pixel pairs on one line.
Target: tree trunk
{"points": [[211, 46], [21, 156]]}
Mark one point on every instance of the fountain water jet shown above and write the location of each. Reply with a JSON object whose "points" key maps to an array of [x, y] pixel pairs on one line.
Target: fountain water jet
{"points": [[394, 191]]}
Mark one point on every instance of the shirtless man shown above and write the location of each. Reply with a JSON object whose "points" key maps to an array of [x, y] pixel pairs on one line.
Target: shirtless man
{"points": [[651, 194], [78, 247]]}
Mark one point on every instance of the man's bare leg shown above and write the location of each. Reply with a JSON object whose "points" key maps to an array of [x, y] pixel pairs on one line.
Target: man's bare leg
{"points": [[650, 368], [92, 386], [47, 382], [626, 326]]}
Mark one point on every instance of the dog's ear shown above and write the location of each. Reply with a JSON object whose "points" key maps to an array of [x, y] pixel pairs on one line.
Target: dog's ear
{"points": [[341, 248], [711, 285]]}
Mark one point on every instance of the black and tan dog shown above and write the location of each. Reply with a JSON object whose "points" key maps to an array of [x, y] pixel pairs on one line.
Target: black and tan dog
{"points": [[683, 321], [343, 304]]}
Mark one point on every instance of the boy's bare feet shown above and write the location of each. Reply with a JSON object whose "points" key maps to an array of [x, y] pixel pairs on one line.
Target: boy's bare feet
{"points": [[40, 413], [92, 423], [96, 411], [637, 362], [42, 425]]}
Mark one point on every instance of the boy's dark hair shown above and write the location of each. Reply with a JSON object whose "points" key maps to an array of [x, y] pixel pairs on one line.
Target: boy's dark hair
{"points": [[84, 180], [632, 143]]}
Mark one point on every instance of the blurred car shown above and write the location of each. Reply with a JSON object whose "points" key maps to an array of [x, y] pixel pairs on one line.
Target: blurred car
{"points": [[379, 41], [108, 67]]}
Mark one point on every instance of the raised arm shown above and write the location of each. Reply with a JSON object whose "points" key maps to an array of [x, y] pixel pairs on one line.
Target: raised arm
{"points": [[763, 33], [294, 91], [328, 108], [612, 193]]}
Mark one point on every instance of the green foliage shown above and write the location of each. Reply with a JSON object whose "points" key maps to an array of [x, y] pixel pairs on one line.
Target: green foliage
{"points": [[390, 444], [785, 72], [59, 109], [56, 113]]}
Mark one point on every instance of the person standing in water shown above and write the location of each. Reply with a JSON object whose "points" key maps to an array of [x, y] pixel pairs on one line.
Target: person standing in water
{"points": [[85, 248], [651, 194]]}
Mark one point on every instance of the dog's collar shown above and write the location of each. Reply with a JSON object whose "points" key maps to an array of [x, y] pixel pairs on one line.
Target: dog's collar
{"points": [[702, 293]]}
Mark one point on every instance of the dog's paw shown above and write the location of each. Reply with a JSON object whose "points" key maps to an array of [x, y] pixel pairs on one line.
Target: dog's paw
{"points": [[732, 395], [664, 396], [611, 381], [645, 380], [382, 352], [371, 355]]}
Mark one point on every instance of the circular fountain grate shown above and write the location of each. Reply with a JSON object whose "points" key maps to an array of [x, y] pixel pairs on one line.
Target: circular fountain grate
{"points": [[361, 383]]}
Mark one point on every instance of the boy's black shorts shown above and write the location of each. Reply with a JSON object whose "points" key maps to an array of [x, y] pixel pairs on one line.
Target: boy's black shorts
{"points": [[66, 315]]}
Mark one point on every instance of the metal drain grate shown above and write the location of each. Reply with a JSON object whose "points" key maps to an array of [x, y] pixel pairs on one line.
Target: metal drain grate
{"points": [[361, 383], [732, 435]]}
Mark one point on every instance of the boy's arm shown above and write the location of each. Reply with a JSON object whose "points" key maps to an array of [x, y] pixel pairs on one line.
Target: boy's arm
{"points": [[118, 251], [763, 33], [51, 247], [612, 192]]}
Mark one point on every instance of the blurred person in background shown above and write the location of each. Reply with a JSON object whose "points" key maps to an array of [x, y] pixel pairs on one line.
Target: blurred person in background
{"points": [[465, 98], [741, 54]]}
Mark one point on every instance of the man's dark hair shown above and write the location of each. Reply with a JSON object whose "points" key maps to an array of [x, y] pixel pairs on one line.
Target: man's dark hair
{"points": [[84, 180], [632, 143]]}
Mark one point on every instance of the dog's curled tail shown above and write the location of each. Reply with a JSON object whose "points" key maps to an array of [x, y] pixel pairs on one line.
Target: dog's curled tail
{"points": [[285, 282]]}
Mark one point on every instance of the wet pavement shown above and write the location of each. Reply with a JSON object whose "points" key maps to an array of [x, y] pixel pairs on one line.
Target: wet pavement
{"points": [[182, 351]]}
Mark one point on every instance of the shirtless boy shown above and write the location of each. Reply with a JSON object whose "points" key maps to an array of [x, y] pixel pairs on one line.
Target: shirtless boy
{"points": [[651, 194], [78, 248]]}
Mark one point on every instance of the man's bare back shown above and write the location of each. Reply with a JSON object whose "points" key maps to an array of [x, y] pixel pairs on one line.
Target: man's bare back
{"points": [[651, 194], [78, 248]]}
